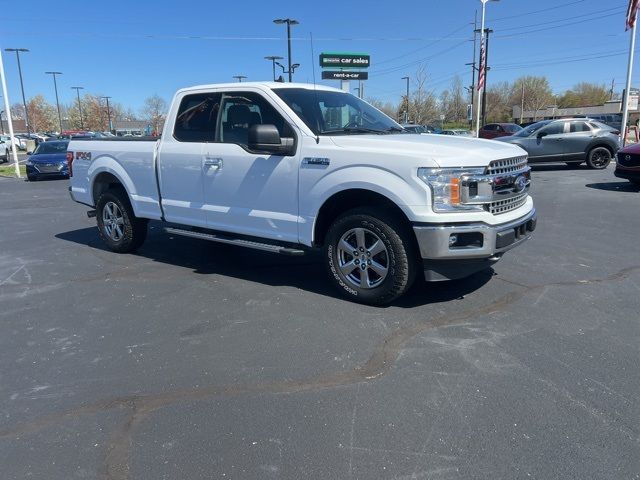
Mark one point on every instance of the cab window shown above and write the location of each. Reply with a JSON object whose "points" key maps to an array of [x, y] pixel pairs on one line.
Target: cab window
{"points": [[554, 128], [196, 119]]}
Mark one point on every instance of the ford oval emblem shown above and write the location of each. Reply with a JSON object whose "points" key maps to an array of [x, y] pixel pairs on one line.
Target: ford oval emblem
{"points": [[520, 184]]}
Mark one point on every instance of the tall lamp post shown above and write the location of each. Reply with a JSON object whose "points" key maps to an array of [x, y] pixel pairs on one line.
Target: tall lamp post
{"points": [[239, 77], [406, 111], [55, 86], [77, 89], [482, 39], [273, 59], [289, 22], [108, 113], [24, 101]]}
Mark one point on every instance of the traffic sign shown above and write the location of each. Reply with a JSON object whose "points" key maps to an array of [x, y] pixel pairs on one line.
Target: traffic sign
{"points": [[337, 75]]}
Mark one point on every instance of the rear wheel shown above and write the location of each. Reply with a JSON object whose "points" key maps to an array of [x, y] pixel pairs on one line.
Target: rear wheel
{"points": [[118, 227], [599, 158], [370, 257]]}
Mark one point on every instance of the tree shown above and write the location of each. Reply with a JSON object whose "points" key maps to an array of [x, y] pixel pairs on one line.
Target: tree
{"points": [[42, 115], [584, 94], [452, 102], [423, 107], [537, 93], [499, 102], [154, 111], [385, 107]]}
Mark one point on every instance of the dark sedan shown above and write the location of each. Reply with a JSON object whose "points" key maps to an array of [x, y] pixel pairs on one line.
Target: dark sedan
{"points": [[49, 160], [628, 164], [570, 140]]}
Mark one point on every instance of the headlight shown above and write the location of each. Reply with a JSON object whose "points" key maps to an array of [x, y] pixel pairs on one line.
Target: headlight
{"points": [[445, 187], [29, 163]]}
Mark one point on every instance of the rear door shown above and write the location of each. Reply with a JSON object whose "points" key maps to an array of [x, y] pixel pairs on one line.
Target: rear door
{"points": [[182, 158], [577, 140], [246, 192]]}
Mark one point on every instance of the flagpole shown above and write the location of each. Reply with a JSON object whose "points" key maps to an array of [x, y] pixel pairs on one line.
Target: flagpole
{"points": [[7, 108], [480, 91], [625, 100]]}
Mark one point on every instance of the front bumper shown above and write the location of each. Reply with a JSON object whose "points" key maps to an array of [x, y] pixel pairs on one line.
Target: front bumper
{"points": [[458, 250], [628, 173]]}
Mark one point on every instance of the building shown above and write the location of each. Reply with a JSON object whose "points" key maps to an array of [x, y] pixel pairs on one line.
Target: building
{"points": [[612, 107]]}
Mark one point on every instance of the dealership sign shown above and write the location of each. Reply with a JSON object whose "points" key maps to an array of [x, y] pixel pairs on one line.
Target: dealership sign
{"points": [[344, 60], [338, 75]]}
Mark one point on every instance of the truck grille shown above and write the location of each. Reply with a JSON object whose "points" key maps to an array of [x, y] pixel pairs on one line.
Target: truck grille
{"points": [[507, 165], [503, 206]]}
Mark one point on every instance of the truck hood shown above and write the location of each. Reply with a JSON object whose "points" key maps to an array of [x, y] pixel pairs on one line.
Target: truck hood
{"points": [[442, 150]]}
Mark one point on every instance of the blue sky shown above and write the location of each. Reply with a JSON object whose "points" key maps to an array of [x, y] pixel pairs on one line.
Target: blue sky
{"points": [[130, 50]]}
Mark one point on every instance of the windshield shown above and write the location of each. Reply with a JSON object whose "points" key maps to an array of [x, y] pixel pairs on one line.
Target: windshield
{"points": [[51, 147], [525, 132], [336, 113], [512, 128]]}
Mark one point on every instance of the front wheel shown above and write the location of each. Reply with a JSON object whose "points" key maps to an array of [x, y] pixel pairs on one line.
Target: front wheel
{"points": [[599, 158], [118, 227], [370, 257]]}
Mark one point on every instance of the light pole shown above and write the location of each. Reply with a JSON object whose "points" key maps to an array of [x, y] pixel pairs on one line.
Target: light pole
{"points": [[484, 4], [55, 86], [24, 101], [406, 111], [108, 113], [289, 22], [273, 59], [239, 77], [77, 89]]}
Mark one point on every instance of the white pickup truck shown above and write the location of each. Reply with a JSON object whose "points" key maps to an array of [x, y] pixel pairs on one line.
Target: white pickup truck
{"points": [[288, 168]]}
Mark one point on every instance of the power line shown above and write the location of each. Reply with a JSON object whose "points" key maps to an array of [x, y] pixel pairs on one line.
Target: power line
{"points": [[555, 26], [544, 10], [573, 17]]}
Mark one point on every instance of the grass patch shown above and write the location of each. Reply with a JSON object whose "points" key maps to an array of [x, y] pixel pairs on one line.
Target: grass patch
{"points": [[9, 170]]}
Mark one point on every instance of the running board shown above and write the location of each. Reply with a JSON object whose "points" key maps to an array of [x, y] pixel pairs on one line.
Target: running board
{"points": [[266, 247]]}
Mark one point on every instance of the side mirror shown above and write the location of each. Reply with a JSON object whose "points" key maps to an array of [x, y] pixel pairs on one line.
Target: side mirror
{"points": [[542, 134], [266, 138], [29, 152]]}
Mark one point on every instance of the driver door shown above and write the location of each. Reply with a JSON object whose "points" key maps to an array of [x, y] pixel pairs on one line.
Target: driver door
{"points": [[547, 144]]}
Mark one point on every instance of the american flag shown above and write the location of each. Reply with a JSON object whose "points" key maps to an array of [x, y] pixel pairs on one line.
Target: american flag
{"points": [[632, 11], [483, 64]]}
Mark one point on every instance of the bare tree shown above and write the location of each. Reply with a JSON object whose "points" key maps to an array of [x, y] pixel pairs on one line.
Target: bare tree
{"points": [[499, 107], [423, 107], [385, 107], [154, 111], [537, 93], [42, 115]]}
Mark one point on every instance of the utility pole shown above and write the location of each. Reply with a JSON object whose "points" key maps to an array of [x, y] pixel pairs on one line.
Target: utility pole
{"points": [[77, 89], [613, 82], [522, 104], [487, 31], [24, 101], [406, 111], [484, 4], [108, 113], [55, 86]]}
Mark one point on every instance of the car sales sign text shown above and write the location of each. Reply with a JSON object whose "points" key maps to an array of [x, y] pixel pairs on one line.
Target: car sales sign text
{"points": [[344, 60]]}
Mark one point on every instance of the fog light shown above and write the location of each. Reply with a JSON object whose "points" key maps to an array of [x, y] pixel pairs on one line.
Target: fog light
{"points": [[453, 239]]}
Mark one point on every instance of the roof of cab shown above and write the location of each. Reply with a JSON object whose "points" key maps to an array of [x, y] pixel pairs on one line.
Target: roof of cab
{"points": [[268, 85]]}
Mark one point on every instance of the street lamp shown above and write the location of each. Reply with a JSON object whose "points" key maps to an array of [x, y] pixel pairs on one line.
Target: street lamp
{"points": [[77, 89], [289, 22], [24, 101], [55, 86], [484, 4], [239, 77], [108, 113], [273, 59], [406, 112]]}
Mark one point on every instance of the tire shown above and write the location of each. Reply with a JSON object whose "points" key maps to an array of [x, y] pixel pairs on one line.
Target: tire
{"points": [[118, 227], [351, 238], [599, 158], [31, 178]]}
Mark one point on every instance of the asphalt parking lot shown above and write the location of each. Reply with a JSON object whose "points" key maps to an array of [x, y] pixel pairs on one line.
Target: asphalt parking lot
{"points": [[191, 360]]}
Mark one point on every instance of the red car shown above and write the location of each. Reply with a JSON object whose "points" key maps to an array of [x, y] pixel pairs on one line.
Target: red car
{"points": [[495, 130], [628, 163]]}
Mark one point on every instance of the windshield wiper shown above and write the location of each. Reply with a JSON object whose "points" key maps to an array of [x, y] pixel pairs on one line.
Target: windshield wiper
{"points": [[350, 130]]}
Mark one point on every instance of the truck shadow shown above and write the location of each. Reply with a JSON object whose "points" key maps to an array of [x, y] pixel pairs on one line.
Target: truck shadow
{"points": [[306, 273]]}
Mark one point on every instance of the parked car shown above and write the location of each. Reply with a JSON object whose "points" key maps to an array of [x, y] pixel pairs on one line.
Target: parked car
{"points": [[5, 147], [274, 167], [614, 120], [495, 130], [48, 160], [570, 140], [413, 128], [460, 132], [628, 163]]}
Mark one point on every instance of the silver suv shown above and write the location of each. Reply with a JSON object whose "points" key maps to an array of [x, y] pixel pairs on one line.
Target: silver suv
{"points": [[570, 140]]}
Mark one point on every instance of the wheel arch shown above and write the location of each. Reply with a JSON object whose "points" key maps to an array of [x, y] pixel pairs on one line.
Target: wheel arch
{"points": [[349, 199]]}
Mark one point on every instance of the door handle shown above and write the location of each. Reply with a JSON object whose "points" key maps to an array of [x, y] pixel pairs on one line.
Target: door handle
{"points": [[215, 163]]}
